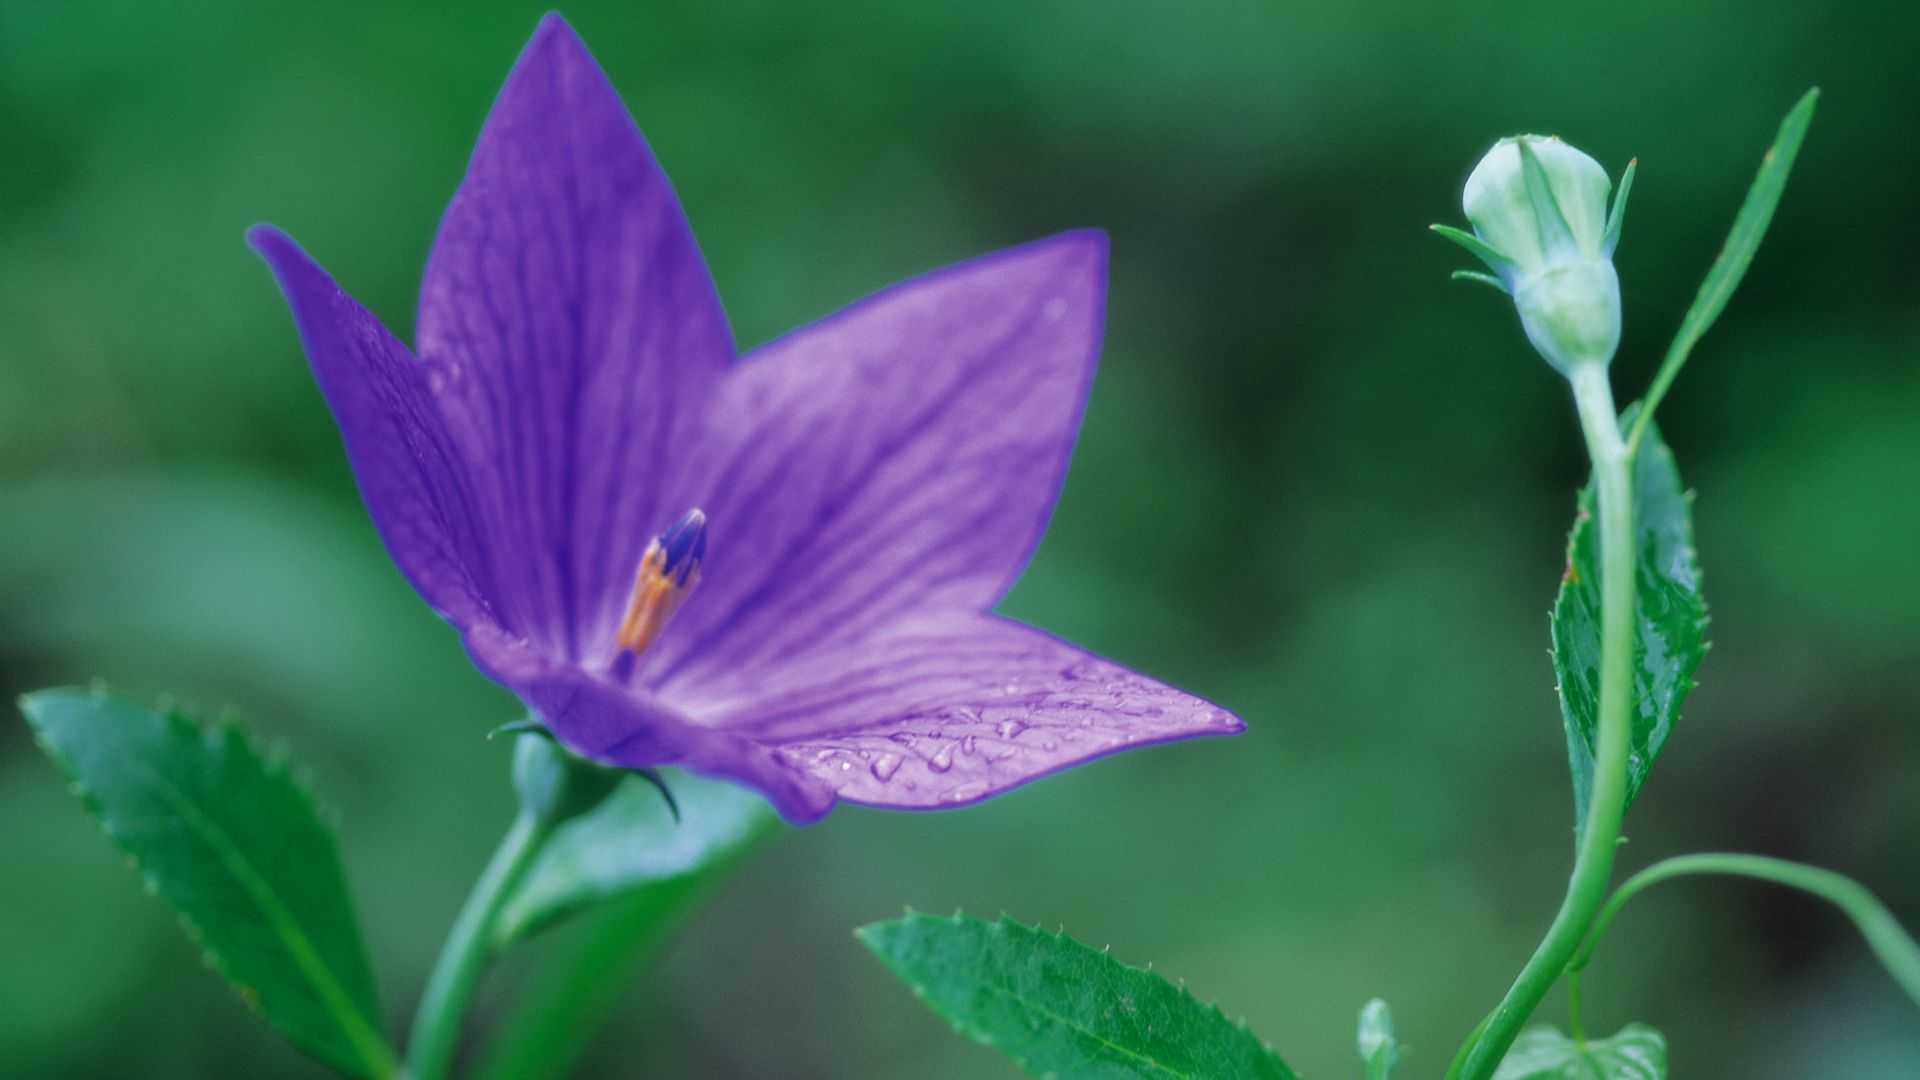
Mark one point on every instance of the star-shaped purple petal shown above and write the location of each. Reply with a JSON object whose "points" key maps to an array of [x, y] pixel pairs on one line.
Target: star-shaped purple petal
{"points": [[866, 487]]}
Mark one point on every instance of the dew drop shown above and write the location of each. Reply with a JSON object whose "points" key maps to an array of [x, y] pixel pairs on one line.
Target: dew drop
{"points": [[885, 766], [966, 792], [968, 745], [942, 760], [1011, 728]]}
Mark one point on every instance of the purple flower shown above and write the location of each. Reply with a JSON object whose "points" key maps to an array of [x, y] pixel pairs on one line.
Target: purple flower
{"points": [[547, 469]]}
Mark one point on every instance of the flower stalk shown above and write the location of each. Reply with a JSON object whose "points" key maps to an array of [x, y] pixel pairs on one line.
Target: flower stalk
{"points": [[468, 949], [1593, 864], [554, 786]]}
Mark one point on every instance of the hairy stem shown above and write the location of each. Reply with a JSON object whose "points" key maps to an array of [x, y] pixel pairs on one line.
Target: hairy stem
{"points": [[1891, 943], [1593, 862], [469, 946]]}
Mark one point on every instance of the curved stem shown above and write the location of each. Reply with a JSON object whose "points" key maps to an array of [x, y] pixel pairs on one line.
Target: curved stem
{"points": [[1593, 862], [469, 946], [1895, 948], [1576, 1018]]}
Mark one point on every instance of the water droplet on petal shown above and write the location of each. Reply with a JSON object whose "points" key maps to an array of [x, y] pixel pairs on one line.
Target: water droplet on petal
{"points": [[942, 760], [968, 745], [966, 792], [1011, 728], [885, 766]]}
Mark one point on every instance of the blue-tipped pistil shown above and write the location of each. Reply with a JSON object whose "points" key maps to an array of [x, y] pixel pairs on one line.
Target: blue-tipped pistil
{"points": [[668, 572], [684, 545]]}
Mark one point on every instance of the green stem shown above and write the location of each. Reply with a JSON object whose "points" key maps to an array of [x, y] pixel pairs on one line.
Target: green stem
{"points": [[469, 946], [1576, 1018], [1895, 948], [1593, 862]]}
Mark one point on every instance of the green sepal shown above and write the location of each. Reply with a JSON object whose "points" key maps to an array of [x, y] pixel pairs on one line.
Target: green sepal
{"points": [[1059, 1008], [553, 783], [1484, 279], [1670, 618], [231, 840], [659, 782], [1555, 233], [523, 726], [1480, 249], [1638, 1052], [1618, 215]]}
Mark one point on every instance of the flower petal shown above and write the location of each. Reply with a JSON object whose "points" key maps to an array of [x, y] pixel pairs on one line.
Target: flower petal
{"points": [[573, 313], [409, 472], [900, 457], [953, 709], [623, 726]]}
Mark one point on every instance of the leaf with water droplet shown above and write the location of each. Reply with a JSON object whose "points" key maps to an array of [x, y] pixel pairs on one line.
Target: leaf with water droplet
{"points": [[1638, 1052], [1670, 621], [1059, 1008]]}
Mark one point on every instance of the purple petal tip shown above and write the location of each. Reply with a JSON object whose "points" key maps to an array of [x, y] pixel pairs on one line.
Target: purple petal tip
{"points": [[268, 240], [554, 31]]}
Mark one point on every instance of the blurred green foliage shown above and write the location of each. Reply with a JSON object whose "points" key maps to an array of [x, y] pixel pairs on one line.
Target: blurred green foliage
{"points": [[1318, 482]]}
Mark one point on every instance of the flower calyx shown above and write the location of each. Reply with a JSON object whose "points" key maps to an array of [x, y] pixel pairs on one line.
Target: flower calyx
{"points": [[1542, 226]]}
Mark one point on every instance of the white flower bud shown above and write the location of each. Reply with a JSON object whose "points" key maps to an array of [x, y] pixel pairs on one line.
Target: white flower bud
{"points": [[1540, 223]]}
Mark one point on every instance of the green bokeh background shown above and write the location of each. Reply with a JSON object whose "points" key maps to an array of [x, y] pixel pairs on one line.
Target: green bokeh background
{"points": [[1317, 482]]}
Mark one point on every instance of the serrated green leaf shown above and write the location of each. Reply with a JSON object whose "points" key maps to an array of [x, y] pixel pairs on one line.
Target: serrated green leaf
{"points": [[1637, 1053], [1669, 624], [631, 842], [1379, 1049], [1059, 1008], [1743, 240], [230, 840]]}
